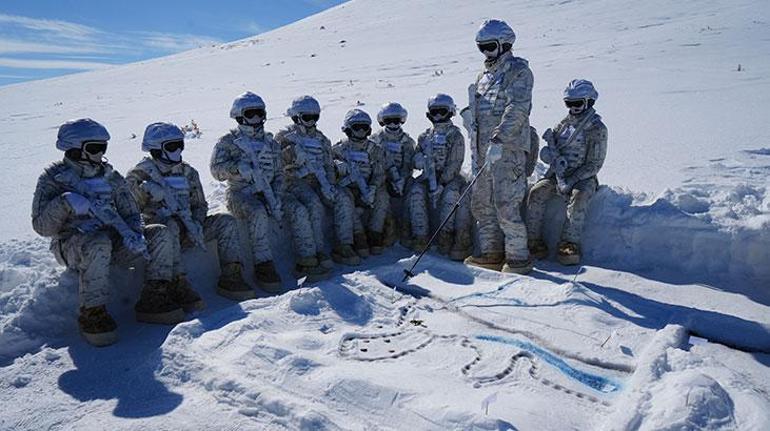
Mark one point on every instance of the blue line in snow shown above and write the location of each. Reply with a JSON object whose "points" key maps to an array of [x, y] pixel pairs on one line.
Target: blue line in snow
{"points": [[599, 383]]}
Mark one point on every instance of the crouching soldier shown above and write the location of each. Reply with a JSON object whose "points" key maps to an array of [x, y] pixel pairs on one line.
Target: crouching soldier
{"points": [[169, 192], [307, 157], [360, 166], [399, 149], [87, 209], [575, 152], [439, 154]]}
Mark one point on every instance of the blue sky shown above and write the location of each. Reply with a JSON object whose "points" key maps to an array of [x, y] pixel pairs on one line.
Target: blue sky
{"points": [[42, 39]]}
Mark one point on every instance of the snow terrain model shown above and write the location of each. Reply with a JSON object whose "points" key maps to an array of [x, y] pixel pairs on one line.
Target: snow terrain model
{"points": [[664, 326]]}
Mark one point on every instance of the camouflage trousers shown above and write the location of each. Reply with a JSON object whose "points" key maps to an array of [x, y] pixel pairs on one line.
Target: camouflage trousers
{"points": [[90, 254], [307, 192], [222, 228], [421, 210], [496, 201], [352, 221], [577, 207], [253, 211]]}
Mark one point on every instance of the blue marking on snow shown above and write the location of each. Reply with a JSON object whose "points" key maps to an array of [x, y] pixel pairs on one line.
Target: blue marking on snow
{"points": [[491, 295], [599, 383]]}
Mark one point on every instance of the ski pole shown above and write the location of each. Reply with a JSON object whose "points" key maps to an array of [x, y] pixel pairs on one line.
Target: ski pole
{"points": [[408, 272]]}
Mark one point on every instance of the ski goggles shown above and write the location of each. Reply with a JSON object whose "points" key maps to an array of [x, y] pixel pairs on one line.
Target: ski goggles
{"points": [[391, 120], [438, 112], [574, 103], [488, 46], [310, 117], [254, 112], [360, 127], [94, 147], [171, 146]]}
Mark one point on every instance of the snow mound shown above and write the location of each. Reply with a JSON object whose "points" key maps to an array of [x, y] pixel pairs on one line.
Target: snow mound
{"points": [[690, 400]]}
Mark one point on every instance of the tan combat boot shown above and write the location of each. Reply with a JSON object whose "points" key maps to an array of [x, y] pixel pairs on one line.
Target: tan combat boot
{"points": [[310, 268], [232, 285], [493, 261], [156, 306], [376, 244], [517, 266], [389, 232], [537, 248], [344, 254], [324, 260], [361, 244], [97, 326], [267, 277], [182, 293], [569, 253]]}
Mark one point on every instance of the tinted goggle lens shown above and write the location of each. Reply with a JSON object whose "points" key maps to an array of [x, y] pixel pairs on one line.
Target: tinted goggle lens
{"points": [[392, 120], [310, 117], [439, 112], [574, 103], [171, 146], [361, 127], [487, 46], [254, 112], [95, 147]]}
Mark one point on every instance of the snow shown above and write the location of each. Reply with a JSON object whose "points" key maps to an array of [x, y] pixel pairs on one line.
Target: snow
{"points": [[677, 243]]}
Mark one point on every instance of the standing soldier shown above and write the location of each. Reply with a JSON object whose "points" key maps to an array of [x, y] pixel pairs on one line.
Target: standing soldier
{"points": [[360, 165], [500, 103], [307, 158], [87, 210], [575, 152], [439, 154], [399, 149], [169, 192]]}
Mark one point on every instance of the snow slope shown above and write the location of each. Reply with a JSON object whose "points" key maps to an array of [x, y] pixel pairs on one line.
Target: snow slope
{"points": [[678, 241]]}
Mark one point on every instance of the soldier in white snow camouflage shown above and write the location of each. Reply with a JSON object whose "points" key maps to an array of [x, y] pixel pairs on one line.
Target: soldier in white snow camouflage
{"points": [[575, 152], [500, 103], [360, 166], [399, 150], [249, 159], [307, 158], [169, 192], [439, 154], [86, 208]]}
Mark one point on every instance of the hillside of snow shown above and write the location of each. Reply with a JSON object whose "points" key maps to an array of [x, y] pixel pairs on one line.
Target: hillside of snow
{"points": [[677, 242]]}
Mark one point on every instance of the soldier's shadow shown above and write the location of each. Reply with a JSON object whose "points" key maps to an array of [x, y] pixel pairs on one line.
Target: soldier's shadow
{"points": [[124, 371]]}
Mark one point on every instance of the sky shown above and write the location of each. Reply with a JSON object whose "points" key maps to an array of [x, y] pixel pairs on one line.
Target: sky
{"points": [[43, 39]]}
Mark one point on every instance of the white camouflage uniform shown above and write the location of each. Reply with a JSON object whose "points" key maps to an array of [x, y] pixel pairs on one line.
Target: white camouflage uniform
{"points": [[585, 157], [183, 181], [245, 203], [500, 107], [399, 149], [446, 144], [90, 252], [369, 158], [302, 183]]}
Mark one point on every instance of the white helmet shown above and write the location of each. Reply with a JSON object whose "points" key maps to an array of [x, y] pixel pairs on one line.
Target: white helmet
{"points": [[247, 100], [158, 133], [580, 89], [442, 100], [356, 116], [391, 110], [497, 30], [74, 133], [304, 105]]}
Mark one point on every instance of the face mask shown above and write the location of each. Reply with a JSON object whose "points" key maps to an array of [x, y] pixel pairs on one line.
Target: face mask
{"points": [[360, 131], [93, 152], [172, 151], [250, 130], [393, 127], [576, 107], [174, 156]]}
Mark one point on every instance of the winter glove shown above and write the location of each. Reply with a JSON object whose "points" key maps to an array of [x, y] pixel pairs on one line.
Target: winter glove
{"points": [[494, 153], [153, 190], [546, 155], [548, 137], [419, 161], [398, 185], [78, 203], [342, 168]]}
